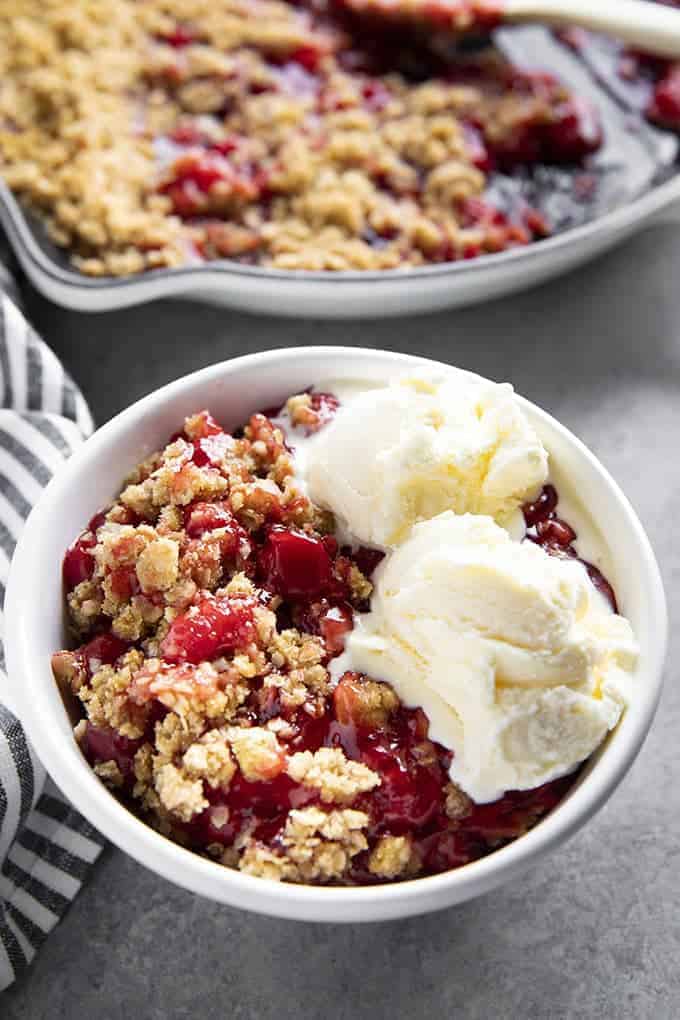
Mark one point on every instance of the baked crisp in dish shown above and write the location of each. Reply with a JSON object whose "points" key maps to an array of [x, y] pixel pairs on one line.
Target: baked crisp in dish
{"points": [[209, 605], [295, 135]]}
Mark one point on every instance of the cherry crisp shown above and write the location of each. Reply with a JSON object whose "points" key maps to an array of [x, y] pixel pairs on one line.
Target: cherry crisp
{"points": [[297, 135], [206, 605]]}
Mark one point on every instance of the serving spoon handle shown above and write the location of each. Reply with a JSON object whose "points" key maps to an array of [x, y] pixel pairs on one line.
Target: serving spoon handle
{"points": [[647, 26], [651, 27]]}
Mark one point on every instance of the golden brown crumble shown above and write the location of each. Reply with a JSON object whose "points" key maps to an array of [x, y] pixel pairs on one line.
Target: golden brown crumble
{"points": [[317, 846], [107, 698], [300, 411], [365, 701], [322, 844], [178, 794], [257, 751], [85, 605], [338, 779], [391, 857], [200, 691], [104, 122], [158, 565], [457, 803], [209, 758], [177, 481]]}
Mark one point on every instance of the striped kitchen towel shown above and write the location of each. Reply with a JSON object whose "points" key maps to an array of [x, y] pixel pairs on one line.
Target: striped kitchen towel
{"points": [[46, 847]]}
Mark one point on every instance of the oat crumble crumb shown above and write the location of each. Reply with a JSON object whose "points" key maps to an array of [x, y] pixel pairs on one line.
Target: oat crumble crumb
{"points": [[391, 856], [328, 770], [210, 759], [257, 751], [178, 794], [457, 803], [109, 773], [157, 565]]}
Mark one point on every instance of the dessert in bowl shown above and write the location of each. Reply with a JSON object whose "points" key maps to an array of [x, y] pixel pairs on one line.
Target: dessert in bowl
{"points": [[239, 684]]}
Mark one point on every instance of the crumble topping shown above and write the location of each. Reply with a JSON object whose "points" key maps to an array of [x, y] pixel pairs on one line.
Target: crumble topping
{"points": [[392, 856], [107, 698], [457, 805], [316, 846], [174, 131], [109, 773], [178, 794], [205, 619], [364, 701], [258, 752], [209, 758], [338, 779], [158, 565]]}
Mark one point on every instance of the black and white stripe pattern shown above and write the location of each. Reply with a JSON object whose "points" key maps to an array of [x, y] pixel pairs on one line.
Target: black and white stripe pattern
{"points": [[46, 847]]}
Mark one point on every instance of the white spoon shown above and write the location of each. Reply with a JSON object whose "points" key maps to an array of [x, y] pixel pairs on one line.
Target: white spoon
{"points": [[645, 25]]}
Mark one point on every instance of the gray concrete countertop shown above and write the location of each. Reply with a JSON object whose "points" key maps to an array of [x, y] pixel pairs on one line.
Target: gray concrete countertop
{"points": [[593, 931]]}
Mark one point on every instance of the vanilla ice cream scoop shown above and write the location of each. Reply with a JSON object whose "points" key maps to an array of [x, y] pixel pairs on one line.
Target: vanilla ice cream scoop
{"points": [[410, 450], [514, 656]]}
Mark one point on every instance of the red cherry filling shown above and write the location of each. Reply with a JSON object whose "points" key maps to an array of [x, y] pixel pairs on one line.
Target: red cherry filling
{"points": [[202, 518], [332, 622], [102, 744], [210, 628], [197, 175], [557, 538], [179, 37], [664, 106], [102, 651], [293, 564], [602, 584], [574, 133], [409, 795], [78, 563], [542, 507]]}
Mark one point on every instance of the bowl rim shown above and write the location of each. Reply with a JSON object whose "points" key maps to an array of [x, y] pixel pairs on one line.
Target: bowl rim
{"points": [[208, 878], [637, 210]]}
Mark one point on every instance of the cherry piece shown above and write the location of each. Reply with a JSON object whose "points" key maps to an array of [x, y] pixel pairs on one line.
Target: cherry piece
{"points": [[602, 584], [408, 797], [664, 106], [78, 563], [180, 37], [210, 628], [202, 517], [308, 57], [541, 508], [366, 559], [294, 565], [102, 650], [103, 744], [555, 532], [575, 132]]}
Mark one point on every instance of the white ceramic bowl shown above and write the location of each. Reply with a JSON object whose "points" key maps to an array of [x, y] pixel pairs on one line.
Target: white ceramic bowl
{"points": [[34, 629]]}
